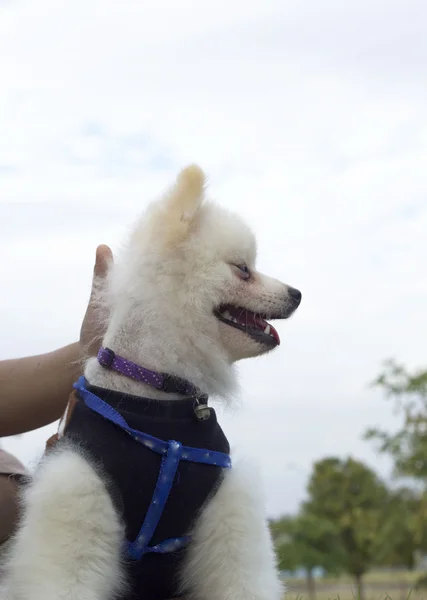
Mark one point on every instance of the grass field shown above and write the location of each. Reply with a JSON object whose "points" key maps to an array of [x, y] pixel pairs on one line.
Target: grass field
{"points": [[350, 595], [377, 586]]}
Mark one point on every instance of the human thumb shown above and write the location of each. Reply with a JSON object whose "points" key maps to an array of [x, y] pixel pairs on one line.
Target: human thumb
{"points": [[93, 325], [103, 259]]}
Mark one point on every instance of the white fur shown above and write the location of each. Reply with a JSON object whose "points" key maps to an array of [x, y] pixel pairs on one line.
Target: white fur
{"points": [[68, 546], [179, 266], [164, 287], [231, 556]]}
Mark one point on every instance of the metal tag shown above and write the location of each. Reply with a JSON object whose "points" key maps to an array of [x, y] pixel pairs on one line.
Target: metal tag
{"points": [[202, 412]]}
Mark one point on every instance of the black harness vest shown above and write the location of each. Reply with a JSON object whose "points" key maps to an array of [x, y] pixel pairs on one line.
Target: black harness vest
{"points": [[131, 472]]}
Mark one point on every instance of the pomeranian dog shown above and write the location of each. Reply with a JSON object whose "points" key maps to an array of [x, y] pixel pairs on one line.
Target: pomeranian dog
{"points": [[138, 496]]}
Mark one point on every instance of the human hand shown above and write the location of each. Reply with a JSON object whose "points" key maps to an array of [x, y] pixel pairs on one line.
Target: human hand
{"points": [[93, 326]]}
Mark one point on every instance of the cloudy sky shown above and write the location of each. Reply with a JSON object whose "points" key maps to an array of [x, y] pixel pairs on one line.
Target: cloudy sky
{"points": [[310, 119]]}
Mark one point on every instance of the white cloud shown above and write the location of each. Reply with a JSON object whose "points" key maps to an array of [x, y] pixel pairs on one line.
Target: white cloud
{"points": [[310, 120]]}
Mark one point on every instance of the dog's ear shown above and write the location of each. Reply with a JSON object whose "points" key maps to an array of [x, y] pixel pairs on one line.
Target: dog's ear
{"points": [[186, 196], [179, 207]]}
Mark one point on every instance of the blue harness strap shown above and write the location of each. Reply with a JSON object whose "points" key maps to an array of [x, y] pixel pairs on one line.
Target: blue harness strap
{"points": [[172, 453]]}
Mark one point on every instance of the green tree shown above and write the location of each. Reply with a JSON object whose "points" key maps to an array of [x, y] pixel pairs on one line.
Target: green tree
{"points": [[404, 531], [407, 446], [351, 496], [307, 541], [408, 449]]}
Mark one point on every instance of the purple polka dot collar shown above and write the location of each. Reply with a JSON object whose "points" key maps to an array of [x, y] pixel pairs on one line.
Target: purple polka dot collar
{"points": [[108, 359]]}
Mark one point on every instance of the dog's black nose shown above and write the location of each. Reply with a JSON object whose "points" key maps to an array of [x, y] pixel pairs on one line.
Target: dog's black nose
{"points": [[295, 295]]}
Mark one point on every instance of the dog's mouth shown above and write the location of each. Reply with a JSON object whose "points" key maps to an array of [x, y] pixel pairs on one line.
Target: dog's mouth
{"points": [[254, 324]]}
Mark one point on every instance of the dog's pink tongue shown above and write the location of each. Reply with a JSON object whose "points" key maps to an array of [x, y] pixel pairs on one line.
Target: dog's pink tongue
{"points": [[249, 319]]}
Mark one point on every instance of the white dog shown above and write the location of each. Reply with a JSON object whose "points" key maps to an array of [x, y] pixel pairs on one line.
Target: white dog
{"points": [[138, 498]]}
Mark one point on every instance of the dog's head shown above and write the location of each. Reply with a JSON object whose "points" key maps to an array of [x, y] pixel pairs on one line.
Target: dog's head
{"points": [[198, 261]]}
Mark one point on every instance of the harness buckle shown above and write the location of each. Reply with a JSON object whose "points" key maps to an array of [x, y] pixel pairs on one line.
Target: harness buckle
{"points": [[173, 384]]}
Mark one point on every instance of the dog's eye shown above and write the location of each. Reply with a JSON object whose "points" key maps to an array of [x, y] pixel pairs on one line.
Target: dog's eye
{"points": [[244, 272]]}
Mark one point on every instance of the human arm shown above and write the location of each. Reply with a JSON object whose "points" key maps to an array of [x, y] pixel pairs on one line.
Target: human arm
{"points": [[34, 390]]}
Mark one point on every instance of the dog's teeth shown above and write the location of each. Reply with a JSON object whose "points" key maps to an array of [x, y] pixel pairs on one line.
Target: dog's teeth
{"points": [[267, 330], [226, 315]]}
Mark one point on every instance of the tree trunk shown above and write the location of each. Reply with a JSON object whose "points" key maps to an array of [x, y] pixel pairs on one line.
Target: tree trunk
{"points": [[311, 585], [359, 587]]}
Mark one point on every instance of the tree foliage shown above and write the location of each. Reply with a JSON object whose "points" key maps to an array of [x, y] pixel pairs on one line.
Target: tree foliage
{"points": [[351, 520], [349, 494], [307, 541], [407, 446], [404, 529]]}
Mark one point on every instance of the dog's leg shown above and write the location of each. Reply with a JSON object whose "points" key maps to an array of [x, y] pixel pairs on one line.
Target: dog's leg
{"points": [[231, 556], [68, 545]]}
